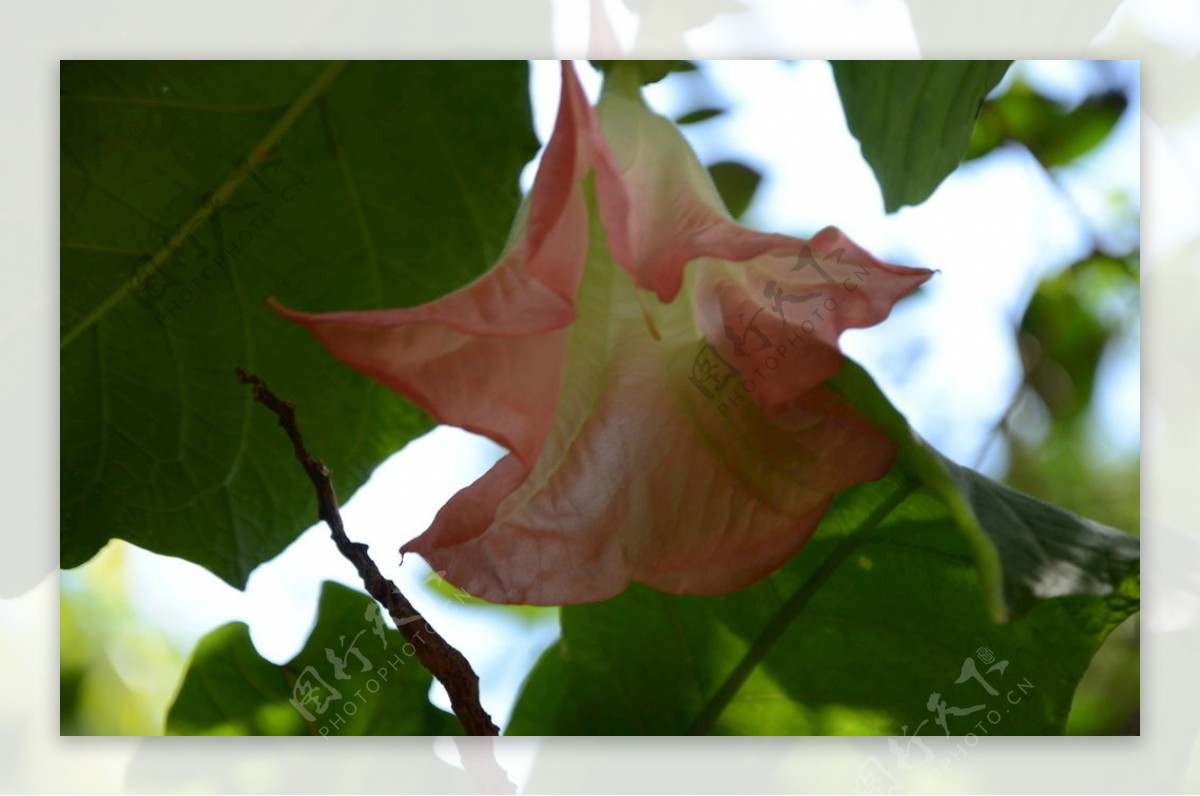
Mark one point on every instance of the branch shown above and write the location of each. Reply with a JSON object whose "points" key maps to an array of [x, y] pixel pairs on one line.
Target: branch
{"points": [[445, 663]]}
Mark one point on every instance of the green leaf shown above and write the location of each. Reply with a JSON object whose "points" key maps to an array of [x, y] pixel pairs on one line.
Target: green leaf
{"points": [[859, 654], [1052, 133], [1064, 331], [898, 589], [192, 191], [737, 183], [1025, 550], [380, 689], [913, 119], [699, 115]]}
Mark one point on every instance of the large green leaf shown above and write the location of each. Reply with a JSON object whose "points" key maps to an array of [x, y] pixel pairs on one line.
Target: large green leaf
{"points": [[913, 119], [1025, 550], [354, 676], [191, 192], [901, 586]]}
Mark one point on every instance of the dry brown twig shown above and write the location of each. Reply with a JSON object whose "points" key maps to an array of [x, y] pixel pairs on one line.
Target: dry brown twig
{"points": [[442, 660]]}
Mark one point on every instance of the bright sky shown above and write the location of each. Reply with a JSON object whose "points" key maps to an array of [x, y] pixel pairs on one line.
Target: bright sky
{"points": [[993, 229]]}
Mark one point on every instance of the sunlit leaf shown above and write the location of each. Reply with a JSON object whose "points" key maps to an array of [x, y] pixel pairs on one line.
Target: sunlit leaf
{"points": [[1054, 134], [1064, 331], [1025, 550]]}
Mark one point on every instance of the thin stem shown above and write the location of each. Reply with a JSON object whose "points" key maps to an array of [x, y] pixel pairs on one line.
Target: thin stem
{"points": [[791, 609], [442, 660], [998, 428]]}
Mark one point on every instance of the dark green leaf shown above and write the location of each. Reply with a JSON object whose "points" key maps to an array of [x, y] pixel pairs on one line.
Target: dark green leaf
{"points": [[380, 689], [1052, 133], [737, 184], [913, 119], [330, 189], [901, 586], [700, 115]]}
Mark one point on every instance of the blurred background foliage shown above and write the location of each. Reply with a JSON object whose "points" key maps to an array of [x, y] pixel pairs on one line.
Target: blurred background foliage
{"points": [[1074, 319], [118, 677]]}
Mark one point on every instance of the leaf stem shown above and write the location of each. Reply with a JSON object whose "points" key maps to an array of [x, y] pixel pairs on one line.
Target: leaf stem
{"points": [[791, 609]]}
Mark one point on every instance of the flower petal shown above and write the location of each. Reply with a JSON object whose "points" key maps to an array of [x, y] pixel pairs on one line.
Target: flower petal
{"points": [[489, 357], [659, 205], [644, 478], [686, 443], [777, 318]]}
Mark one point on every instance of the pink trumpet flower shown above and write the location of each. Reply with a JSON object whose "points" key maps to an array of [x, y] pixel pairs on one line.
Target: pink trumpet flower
{"points": [[654, 368]]}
